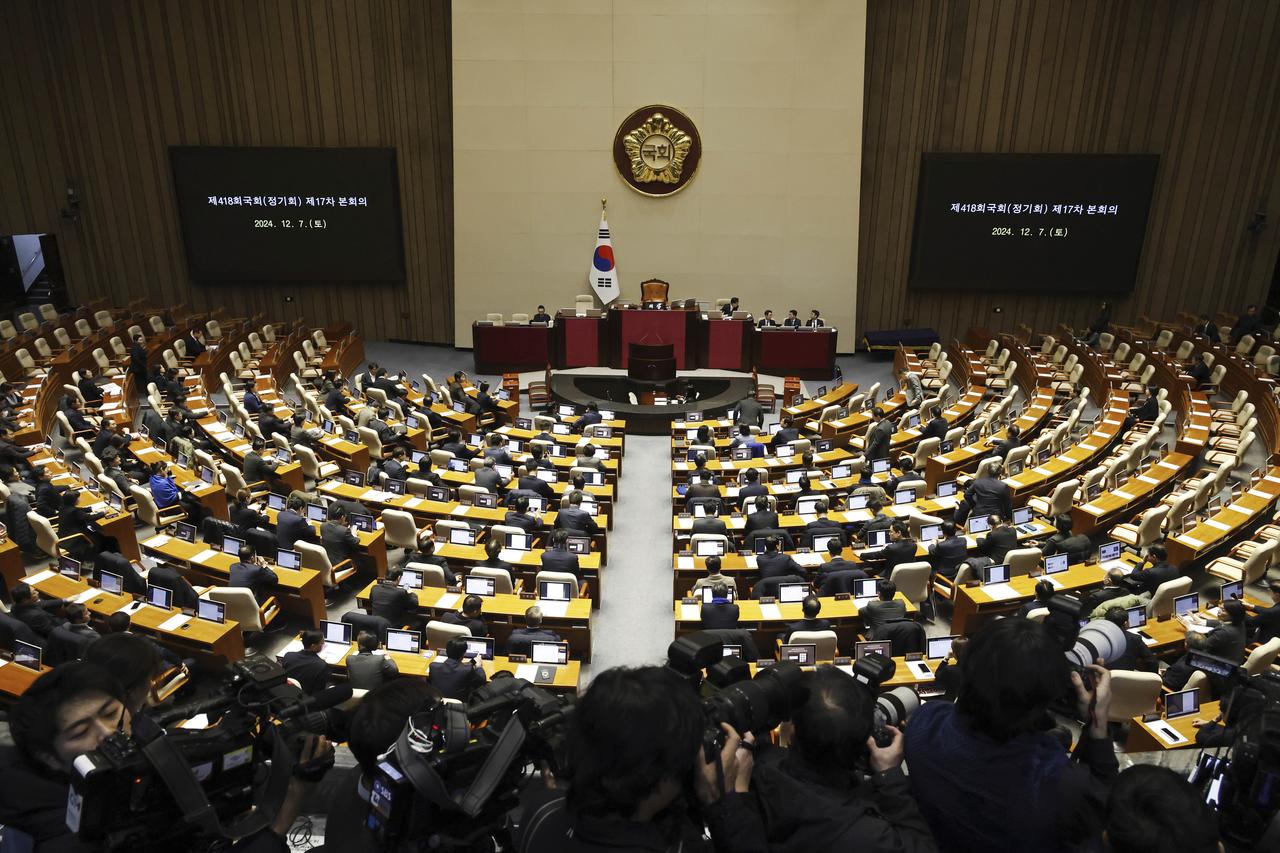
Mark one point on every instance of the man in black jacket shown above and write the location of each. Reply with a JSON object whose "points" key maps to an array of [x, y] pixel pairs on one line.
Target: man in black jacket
{"points": [[1154, 570], [879, 436], [292, 525], [529, 481], [132, 582], [252, 574], [1208, 329], [453, 444], [760, 517], [989, 494], [936, 427], [37, 615], [721, 612], [787, 433], [837, 563], [774, 563], [520, 641], [1077, 547], [451, 676], [1111, 588], [574, 518], [901, 548], [558, 557], [335, 535], [1264, 623], [752, 486], [750, 412], [1136, 655], [702, 487], [810, 607], [470, 617], [948, 551], [393, 603], [519, 517], [138, 361], [1000, 539], [808, 798], [306, 666]]}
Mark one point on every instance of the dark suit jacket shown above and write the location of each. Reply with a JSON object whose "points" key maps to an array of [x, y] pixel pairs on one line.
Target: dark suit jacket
{"points": [[878, 441], [710, 525], [897, 553], [879, 612], [936, 428], [1149, 579], [455, 679], [998, 543], [776, 565], [244, 517], [290, 527], [524, 522], [391, 602], [339, 542], [766, 520], [720, 615], [308, 669], [573, 518], [1075, 546], [560, 560], [946, 555], [118, 564], [784, 435], [475, 626], [986, 495], [808, 625], [38, 616], [366, 670], [1265, 623], [521, 639], [536, 484], [749, 491], [750, 412], [255, 578]]}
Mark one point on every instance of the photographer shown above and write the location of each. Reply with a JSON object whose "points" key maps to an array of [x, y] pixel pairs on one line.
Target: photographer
{"points": [[990, 754], [634, 742], [811, 797], [1153, 809]]}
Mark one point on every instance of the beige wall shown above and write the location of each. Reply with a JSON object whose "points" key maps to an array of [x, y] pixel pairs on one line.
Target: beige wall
{"points": [[775, 88]]}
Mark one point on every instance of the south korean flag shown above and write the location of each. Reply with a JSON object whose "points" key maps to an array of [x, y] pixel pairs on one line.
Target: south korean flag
{"points": [[604, 272]]}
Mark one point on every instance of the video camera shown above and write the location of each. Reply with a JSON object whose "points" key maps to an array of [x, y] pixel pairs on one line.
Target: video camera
{"points": [[158, 789], [456, 771], [1243, 784]]}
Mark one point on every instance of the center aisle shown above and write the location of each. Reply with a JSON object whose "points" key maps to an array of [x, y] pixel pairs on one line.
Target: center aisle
{"points": [[635, 622]]}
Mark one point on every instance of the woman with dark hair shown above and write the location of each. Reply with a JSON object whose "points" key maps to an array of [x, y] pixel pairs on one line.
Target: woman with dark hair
{"points": [[991, 752]]}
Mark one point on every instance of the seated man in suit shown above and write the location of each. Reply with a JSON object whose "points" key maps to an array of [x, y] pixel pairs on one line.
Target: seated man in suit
{"points": [[714, 576], [396, 466], [574, 518], [878, 521], [1154, 570], [1000, 539], [496, 449], [541, 316], [702, 487], [948, 551], [390, 601], [453, 444], [89, 389], [454, 677], [253, 574], [811, 607], [530, 482], [1012, 438], [368, 668], [1077, 546], [558, 557], [1136, 655], [305, 666], [937, 426], [116, 563], [489, 478], [492, 548], [76, 632], [727, 309], [586, 458], [760, 517], [590, 416], [824, 525], [837, 563], [1148, 410], [1264, 623], [336, 536], [1200, 370], [751, 487], [901, 548], [184, 595], [426, 554], [519, 516], [710, 523], [792, 320], [292, 524], [767, 321], [744, 438], [989, 494], [1112, 587], [775, 563], [195, 343], [721, 612], [538, 455], [885, 609], [1044, 591], [815, 320], [521, 640], [789, 432], [909, 478], [470, 617]]}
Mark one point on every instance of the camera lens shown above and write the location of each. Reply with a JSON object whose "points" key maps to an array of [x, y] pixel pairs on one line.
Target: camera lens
{"points": [[894, 707]]}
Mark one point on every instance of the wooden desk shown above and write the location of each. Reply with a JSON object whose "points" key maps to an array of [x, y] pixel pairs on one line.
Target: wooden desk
{"points": [[419, 666], [12, 568], [974, 604], [237, 448], [1040, 479], [843, 615], [1143, 738], [812, 408], [15, 679], [503, 613], [372, 543], [902, 674], [1252, 506], [942, 467], [213, 643], [299, 591], [213, 497], [1116, 505]]}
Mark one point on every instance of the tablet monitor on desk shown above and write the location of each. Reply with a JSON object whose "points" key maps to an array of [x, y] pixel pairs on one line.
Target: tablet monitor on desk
{"points": [[519, 541], [276, 502], [792, 593], [394, 486], [808, 505], [913, 422], [1184, 605], [1056, 563], [1109, 551], [68, 567], [709, 548], [184, 460], [979, 524], [336, 632], [550, 653], [110, 582], [361, 522], [555, 590], [232, 545], [159, 596], [353, 478], [1135, 617], [207, 475], [877, 538], [820, 542], [479, 647], [561, 429], [580, 545], [316, 512], [947, 489], [805, 654], [929, 532], [708, 596], [27, 654], [287, 559], [185, 531], [939, 648], [284, 457], [793, 477], [1184, 703], [946, 446], [439, 494], [841, 472], [410, 579], [1228, 591], [904, 496], [1022, 515], [786, 451], [565, 410], [211, 611], [995, 574], [458, 466], [880, 466], [865, 588], [858, 501], [872, 647], [409, 642], [462, 536], [475, 585]]}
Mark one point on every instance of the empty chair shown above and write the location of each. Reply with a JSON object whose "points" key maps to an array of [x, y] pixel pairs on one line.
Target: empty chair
{"points": [[1261, 658], [1133, 694], [440, 633], [103, 319], [1059, 502], [494, 318], [64, 340], [49, 542], [28, 321], [315, 557], [212, 329], [7, 330], [48, 312], [1164, 339], [401, 530], [1251, 569], [1022, 561], [912, 580], [1161, 603], [1145, 531], [558, 577], [243, 608], [432, 575], [312, 467]]}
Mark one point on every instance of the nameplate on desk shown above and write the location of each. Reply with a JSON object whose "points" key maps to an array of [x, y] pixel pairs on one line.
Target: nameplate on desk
{"points": [[412, 503], [1167, 733], [1123, 495], [174, 622], [1254, 493], [1000, 591], [1043, 472], [447, 600], [38, 577], [157, 541], [690, 612], [201, 556], [770, 612], [460, 510], [1148, 480]]}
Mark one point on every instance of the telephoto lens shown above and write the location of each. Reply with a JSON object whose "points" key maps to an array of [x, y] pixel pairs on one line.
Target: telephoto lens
{"points": [[760, 704], [1099, 639], [893, 708]]}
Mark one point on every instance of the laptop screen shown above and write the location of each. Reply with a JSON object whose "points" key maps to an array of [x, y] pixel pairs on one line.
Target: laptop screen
{"points": [[1056, 563], [27, 654], [1108, 551], [790, 593], [939, 648], [805, 654], [479, 586], [995, 574], [877, 538], [879, 466], [287, 559], [979, 524], [1022, 515], [398, 640], [519, 541], [930, 532], [231, 545], [904, 496], [69, 567], [554, 653], [709, 548], [411, 579], [159, 596], [1185, 604], [336, 632], [437, 493], [820, 542], [871, 647], [211, 611], [579, 545], [315, 512], [361, 522], [462, 536], [1181, 704], [841, 472], [859, 501], [206, 474], [1235, 589], [708, 596], [479, 647], [865, 588], [554, 590]]}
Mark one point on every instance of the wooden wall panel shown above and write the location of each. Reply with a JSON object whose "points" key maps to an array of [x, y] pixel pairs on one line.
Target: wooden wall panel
{"points": [[96, 90], [1197, 83]]}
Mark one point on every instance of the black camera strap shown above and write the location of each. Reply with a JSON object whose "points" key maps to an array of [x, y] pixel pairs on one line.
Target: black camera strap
{"points": [[427, 782]]}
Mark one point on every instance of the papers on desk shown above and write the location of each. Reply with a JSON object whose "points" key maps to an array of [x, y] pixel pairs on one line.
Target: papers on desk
{"points": [[47, 460], [334, 652], [3, 662], [1198, 629], [157, 541], [1000, 591], [920, 670], [527, 671], [174, 622], [751, 561], [1167, 733], [412, 503], [731, 491], [1217, 525], [204, 555], [1043, 472], [38, 577], [1148, 480], [111, 388], [132, 607], [809, 560], [555, 609], [684, 562], [199, 721], [690, 612], [770, 611], [377, 495], [1188, 540], [91, 592], [1116, 564], [511, 555], [948, 502], [448, 600], [1123, 495]]}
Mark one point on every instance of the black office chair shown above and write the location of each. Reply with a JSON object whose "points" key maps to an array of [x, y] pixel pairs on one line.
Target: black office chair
{"points": [[65, 645], [214, 530], [837, 583], [785, 540], [907, 636], [737, 637], [263, 542], [769, 586]]}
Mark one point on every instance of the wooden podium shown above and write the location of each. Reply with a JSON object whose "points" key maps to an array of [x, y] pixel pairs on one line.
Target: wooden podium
{"points": [[651, 362]]}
